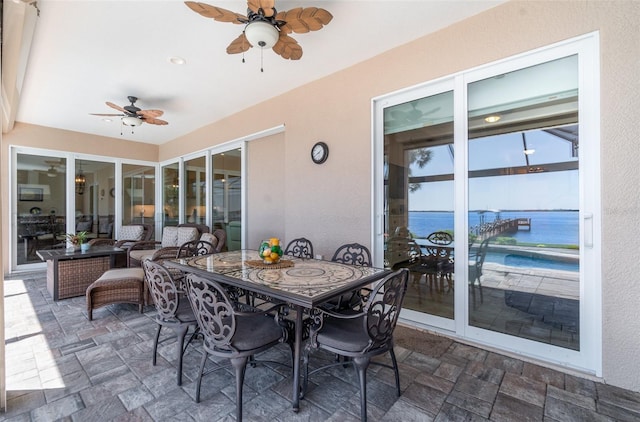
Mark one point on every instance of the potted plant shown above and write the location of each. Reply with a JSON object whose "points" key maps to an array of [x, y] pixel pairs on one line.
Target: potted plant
{"points": [[78, 240]]}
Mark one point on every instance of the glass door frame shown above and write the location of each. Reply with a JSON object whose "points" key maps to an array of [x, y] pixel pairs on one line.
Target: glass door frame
{"points": [[433, 88], [238, 144], [589, 358]]}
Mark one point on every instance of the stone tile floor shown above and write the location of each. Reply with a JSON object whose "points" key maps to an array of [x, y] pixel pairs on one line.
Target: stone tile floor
{"points": [[61, 366]]}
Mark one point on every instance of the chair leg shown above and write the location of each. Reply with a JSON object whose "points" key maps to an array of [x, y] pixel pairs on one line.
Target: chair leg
{"points": [[199, 382], [240, 365], [155, 344], [395, 369], [181, 333], [361, 365]]}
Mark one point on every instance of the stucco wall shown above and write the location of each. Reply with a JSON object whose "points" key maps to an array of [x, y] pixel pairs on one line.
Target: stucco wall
{"points": [[265, 187], [331, 203]]}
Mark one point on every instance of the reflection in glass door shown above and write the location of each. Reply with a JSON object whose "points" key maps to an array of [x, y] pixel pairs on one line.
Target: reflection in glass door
{"points": [[523, 192], [419, 200], [138, 195], [40, 206], [195, 190], [227, 195], [521, 137], [171, 194]]}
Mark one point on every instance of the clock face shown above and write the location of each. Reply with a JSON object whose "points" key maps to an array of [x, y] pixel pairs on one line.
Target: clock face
{"points": [[319, 153]]}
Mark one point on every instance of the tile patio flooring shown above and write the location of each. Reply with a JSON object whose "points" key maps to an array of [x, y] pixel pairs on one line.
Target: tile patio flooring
{"points": [[61, 366]]}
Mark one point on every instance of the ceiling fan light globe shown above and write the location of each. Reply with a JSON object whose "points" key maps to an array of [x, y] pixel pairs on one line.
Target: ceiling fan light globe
{"points": [[261, 34], [131, 121]]}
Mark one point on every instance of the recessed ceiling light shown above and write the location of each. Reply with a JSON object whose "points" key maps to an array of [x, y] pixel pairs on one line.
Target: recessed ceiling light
{"points": [[492, 119], [177, 60], [529, 151], [107, 120]]}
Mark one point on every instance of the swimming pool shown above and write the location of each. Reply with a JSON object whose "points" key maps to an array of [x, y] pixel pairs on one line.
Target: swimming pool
{"points": [[529, 261]]}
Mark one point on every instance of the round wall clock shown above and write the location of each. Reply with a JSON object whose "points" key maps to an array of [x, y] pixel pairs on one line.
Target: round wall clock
{"points": [[320, 152]]}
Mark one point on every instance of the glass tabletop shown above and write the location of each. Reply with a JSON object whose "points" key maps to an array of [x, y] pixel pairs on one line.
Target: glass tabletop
{"points": [[307, 278]]}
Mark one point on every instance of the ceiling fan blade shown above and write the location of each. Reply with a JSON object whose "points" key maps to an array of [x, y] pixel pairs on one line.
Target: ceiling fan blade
{"points": [[239, 45], [216, 13], [117, 107], [105, 114], [153, 121], [267, 6], [150, 113], [302, 20], [287, 47]]}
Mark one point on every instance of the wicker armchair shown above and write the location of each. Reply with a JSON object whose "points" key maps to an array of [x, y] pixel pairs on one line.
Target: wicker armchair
{"points": [[172, 238]]}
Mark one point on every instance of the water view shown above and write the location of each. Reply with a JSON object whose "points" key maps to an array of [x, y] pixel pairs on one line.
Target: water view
{"points": [[548, 228]]}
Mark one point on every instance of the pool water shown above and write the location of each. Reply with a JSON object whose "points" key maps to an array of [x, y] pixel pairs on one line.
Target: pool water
{"points": [[522, 261]]}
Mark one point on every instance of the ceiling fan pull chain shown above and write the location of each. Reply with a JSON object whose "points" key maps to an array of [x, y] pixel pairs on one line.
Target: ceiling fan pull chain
{"points": [[261, 59]]}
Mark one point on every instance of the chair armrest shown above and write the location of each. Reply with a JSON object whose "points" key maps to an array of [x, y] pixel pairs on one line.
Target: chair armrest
{"points": [[168, 252], [145, 244], [125, 243], [100, 242]]}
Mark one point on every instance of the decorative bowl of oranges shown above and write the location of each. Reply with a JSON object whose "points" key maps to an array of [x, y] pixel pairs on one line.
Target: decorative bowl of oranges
{"points": [[270, 251]]}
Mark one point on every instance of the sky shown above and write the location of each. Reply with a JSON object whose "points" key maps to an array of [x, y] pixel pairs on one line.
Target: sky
{"points": [[538, 191]]}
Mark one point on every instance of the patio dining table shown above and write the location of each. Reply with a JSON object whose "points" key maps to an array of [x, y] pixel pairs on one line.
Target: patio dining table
{"points": [[303, 285]]}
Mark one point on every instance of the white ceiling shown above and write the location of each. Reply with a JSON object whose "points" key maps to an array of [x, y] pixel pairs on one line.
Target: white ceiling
{"points": [[87, 52]]}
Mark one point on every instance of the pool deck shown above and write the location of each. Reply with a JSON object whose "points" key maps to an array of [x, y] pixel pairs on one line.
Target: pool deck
{"points": [[555, 283]]}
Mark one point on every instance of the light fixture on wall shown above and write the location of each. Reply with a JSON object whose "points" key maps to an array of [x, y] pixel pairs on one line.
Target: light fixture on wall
{"points": [[81, 180]]}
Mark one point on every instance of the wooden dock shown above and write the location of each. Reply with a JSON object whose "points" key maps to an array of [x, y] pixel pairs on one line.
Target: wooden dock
{"points": [[524, 223], [500, 227]]}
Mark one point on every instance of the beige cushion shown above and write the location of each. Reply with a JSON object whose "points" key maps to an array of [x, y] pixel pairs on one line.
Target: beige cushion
{"points": [[120, 273], [169, 236], [141, 254], [208, 237], [131, 232], [187, 234], [176, 236]]}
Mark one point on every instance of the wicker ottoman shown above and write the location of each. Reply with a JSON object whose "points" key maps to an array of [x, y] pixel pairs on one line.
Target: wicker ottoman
{"points": [[120, 285]]}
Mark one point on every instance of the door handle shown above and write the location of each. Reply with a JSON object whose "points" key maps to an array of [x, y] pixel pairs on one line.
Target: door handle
{"points": [[588, 230]]}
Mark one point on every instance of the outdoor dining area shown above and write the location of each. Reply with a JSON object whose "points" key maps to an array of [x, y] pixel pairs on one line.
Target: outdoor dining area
{"points": [[199, 332]]}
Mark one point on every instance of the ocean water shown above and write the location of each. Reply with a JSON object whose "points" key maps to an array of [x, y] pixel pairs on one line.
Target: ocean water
{"points": [[547, 227]]}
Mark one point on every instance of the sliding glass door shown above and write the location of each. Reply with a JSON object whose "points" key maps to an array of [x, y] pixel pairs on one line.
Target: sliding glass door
{"points": [[39, 211], [523, 196], [419, 200], [481, 192]]}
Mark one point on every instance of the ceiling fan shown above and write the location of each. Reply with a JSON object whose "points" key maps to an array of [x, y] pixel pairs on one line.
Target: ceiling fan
{"points": [[411, 116], [134, 116], [265, 27], [52, 171]]}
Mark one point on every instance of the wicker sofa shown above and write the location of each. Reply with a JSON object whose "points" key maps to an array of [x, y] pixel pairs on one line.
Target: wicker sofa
{"points": [[172, 238]]}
